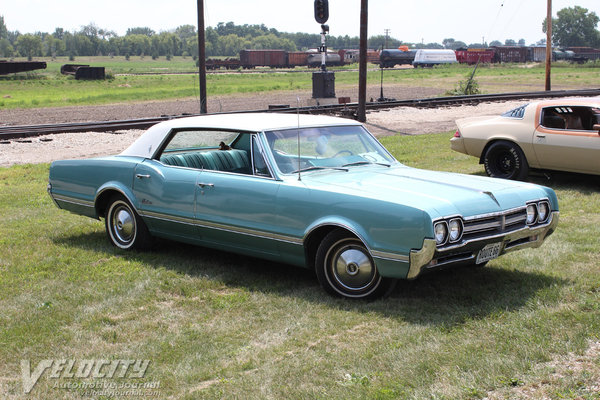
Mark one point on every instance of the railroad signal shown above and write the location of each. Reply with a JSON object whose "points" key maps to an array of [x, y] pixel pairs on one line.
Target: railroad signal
{"points": [[321, 11]]}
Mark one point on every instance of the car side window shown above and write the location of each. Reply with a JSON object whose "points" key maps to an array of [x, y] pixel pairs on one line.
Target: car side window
{"points": [[207, 149], [569, 117], [260, 167]]}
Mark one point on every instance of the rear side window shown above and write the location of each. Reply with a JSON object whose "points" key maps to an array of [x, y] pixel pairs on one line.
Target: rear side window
{"points": [[518, 112]]}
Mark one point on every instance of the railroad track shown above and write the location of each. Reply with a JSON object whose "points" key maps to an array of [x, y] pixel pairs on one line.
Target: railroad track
{"points": [[24, 131]]}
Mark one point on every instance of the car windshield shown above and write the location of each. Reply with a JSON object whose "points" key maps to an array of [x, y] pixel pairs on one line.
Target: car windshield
{"points": [[337, 147]]}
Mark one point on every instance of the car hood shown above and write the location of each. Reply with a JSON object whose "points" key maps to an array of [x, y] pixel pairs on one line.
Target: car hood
{"points": [[440, 194]]}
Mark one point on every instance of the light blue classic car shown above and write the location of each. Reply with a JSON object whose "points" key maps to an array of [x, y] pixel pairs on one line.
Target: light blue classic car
{"points": [[318, 192]]}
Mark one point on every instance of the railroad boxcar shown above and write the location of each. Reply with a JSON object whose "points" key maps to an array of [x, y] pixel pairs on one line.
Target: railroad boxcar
{"points": [[297, 58], [373, 56], [388, 58], [511, 54], [431, 57], [586, 52], [472, 56], [263, 58]]}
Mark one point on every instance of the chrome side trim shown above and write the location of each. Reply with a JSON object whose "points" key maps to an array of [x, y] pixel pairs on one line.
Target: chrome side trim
{"points": [[223, 227], [390, 256], [49, 189], [382, 255], [72, 200]]}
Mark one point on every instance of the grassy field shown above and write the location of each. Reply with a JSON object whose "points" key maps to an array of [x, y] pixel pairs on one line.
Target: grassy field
{"points": [[50, 89], [216, 325]]}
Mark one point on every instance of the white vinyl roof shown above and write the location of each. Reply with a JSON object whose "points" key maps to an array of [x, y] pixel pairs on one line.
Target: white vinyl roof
{"points": [[146, 145]]}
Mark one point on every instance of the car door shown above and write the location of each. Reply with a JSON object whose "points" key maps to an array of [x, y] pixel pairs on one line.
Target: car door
{"points": [[237, 211], [564, 139], [166, 196]]}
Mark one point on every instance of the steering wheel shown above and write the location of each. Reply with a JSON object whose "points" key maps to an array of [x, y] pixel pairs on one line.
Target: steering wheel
{"points": [[342, 151]]}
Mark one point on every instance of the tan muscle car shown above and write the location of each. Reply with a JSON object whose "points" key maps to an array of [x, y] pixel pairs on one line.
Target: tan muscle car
{"points": [[561, 135]]}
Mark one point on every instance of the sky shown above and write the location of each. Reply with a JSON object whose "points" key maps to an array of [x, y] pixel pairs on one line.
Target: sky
{"points": [[410, 21]]}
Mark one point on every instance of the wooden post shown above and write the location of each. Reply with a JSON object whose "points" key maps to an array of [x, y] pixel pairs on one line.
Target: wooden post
{"points": [[548, 43], [201, 58], [362, 63]]}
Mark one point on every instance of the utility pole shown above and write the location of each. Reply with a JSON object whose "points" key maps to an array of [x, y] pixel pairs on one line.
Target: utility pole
{"points": [[548, 43], [201, 58], [361, 113], [387, 35]]}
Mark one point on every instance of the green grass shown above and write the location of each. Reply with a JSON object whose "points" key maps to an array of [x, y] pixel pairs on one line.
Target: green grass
{"points": [[50, 89], [216, 325]]}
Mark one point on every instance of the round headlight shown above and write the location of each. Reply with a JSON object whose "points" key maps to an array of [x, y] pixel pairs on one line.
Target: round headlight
{"points": [[454, 229], [543, 211], [441, 232], [531, 213]]}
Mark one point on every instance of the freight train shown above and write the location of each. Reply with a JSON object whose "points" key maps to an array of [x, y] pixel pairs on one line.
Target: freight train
{"points": [[288, 59], [389, 58], [496, 54]]}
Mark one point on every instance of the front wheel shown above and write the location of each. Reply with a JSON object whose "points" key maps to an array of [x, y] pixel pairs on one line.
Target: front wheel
{"points": [[345, 268], [505, 160], [124, 227]]}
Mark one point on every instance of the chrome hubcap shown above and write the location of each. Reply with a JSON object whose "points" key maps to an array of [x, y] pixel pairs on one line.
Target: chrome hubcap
{"points": [[124, 225], [352, 268]]}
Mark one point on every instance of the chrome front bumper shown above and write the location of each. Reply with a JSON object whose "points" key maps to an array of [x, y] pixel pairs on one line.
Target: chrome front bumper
{"points": [[429, 257]]}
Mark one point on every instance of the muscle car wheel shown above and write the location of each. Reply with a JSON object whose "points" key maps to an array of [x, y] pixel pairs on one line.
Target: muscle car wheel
{"points": [[505, 160], [124, 227], [344, 267]]}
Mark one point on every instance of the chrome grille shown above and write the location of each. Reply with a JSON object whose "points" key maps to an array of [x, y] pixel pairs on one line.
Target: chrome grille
{"points": [[492, 224]]}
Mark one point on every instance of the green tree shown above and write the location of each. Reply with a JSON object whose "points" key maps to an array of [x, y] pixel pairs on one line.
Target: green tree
{"points": [[29, 46], [6, 49], [575, 26], [3, 29], [140, 31], [453, 44], [52, 46]]}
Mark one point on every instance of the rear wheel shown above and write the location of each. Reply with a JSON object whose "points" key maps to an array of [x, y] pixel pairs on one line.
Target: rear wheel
{"points": [[345, 268], [124, 227], [505, 160]]}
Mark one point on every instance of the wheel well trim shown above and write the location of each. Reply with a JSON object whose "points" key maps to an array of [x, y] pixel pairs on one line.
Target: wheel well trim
{"points": [[322, 227], [103, 194]]}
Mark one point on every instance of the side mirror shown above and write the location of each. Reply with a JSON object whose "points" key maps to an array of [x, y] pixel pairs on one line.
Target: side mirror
{"points": [[596, 127]]}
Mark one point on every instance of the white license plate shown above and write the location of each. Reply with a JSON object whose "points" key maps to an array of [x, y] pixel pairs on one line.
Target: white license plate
{"points": [[489, 252]]}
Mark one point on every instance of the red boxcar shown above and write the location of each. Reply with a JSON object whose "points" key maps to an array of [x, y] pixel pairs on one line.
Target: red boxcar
{"points": [[297, 58], [471, 56], [263, 58]]}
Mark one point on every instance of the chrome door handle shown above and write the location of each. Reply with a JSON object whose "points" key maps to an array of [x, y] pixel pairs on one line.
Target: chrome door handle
{"points": [[540, 135], [203, 185], [140, 176]]}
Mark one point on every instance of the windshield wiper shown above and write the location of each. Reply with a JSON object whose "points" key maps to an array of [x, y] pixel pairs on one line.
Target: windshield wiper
{"points": [[316, 167], [365, 162]]}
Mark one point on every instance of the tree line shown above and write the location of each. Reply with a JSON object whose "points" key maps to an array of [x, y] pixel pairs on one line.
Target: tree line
{"points": [[574, 26]]}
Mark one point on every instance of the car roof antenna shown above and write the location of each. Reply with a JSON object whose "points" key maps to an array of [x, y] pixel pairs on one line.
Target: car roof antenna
{"points": [[298, 114]]}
